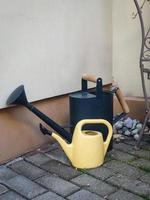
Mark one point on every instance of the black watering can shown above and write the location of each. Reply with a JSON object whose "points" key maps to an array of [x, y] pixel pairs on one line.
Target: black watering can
{"points": [[96, 104], [18, 96]]}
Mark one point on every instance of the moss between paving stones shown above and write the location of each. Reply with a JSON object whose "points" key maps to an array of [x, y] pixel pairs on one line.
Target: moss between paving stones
{"points": [[144, 168], [83, 171], [145, 197]]}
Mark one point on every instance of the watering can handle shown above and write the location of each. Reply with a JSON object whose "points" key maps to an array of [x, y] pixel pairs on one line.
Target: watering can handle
{"points": [[89, 77], [118, 92], [83, 122]]}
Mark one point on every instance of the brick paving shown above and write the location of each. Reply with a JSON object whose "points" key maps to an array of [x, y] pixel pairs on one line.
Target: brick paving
{"points": [[47, 174]]}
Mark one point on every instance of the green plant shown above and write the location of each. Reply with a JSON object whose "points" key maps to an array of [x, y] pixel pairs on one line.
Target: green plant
{"points": [[84, 171]]}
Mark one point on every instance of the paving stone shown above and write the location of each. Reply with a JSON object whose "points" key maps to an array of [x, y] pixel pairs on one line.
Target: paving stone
{"points": [[142, 163], [130, 149], [122, 156], [93, 185], [146, 178], [125, 169], [142, 154], [146, 147], [3, 189], [100, 172], [124, 147], [26, 169], [10, 195], [146, 137], [134, 186], [58, 154], [61, 170], [25, 187], [129, 141], [84, 195], [58, 185], [108, 156], [38, 159], [49, 196], [6, 174], [124, 195], [48, 147]]}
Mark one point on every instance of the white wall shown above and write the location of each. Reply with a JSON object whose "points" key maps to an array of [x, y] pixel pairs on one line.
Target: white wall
{"points": [[126, 46], [47, 45]]}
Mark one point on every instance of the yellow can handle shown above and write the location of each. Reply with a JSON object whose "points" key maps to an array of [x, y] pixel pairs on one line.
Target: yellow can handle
{"points": [[83, 122]]}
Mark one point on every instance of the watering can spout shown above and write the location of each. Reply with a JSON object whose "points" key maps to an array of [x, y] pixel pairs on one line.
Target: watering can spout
{"points": [[68, 148]]}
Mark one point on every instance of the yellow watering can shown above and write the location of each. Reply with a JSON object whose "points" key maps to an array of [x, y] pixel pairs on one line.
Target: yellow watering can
{"points": [[87, 149]]}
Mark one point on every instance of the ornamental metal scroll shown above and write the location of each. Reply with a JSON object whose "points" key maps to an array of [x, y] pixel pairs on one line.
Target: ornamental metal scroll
{"points": [[146, 52], [145, 47], [144, 61]]}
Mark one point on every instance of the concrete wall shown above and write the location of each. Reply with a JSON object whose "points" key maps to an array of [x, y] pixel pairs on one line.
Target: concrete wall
{"points": [[126, 46], [48, 44]]}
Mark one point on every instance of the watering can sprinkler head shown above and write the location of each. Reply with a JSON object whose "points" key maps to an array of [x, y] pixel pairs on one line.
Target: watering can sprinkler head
{"points": [[18, 96]]}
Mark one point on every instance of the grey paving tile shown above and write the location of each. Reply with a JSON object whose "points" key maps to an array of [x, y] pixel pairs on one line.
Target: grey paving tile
{"points": [[48, 147], [26, 169], [100, 172], [122, 156], [58, 185], [142, 154], [125, 169], [10, 195], [124, 195], [84, 195], [94, 185], [60, 169], [146, 178], [38, 159], [25, 187], [130, 149], [3, 189], [134, 186], [129, 141], [6, 174], [142, 163], [146, 147], [58, 154], [124, 147], [49, 196]]}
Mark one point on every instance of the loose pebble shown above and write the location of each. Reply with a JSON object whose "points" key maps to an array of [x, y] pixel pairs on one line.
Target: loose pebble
{"points": [[127, 133], [135, 131], [128, 123], [128, 127], [136, 136], [139, 126]]}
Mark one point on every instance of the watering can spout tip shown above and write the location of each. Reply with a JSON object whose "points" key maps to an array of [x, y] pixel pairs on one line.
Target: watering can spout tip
{"points": [[18, 96]]}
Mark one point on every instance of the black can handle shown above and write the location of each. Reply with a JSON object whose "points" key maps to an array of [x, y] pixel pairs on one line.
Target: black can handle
{"points": [[93, 79], [117, 91]]}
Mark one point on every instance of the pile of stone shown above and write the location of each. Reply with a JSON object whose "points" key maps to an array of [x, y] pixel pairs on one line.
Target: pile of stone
{"points": [[128, 127]]}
